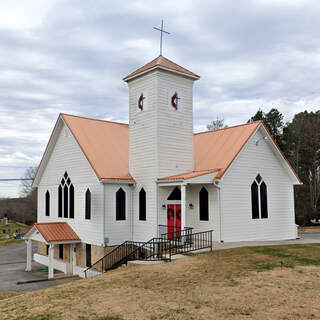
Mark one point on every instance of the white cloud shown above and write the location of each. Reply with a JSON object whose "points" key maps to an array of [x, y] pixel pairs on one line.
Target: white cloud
{"points": [[70, 56]]}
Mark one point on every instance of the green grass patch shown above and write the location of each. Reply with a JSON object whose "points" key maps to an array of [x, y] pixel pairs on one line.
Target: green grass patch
{"points": [[7, 233], [289, 256]]}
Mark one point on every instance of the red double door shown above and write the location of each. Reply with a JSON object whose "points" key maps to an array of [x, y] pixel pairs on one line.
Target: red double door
{"points": [[174, 221]]}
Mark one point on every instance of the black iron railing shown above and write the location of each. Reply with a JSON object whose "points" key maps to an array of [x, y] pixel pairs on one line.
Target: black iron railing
{"points": [[189, 242], [114, 258], [174, 233], [154, 250]]}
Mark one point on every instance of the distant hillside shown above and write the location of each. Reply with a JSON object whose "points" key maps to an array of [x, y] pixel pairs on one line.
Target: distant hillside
{"points": [[20, 209]]}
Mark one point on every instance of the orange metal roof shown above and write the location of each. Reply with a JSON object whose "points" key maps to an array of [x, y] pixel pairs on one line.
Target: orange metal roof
{"points": [[189, 175], [55, 231], [161, 62], [105, 144], [217, 149]]}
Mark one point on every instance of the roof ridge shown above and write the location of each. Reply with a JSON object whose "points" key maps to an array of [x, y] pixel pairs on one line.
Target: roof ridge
{"points": [[176, 64], [54, 222], [87, 118], [235, 126], [162, 63]]}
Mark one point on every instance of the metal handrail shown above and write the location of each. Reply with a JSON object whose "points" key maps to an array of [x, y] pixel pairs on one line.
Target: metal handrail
{"points": [[115, 256], [177, 233], [155, 249]]}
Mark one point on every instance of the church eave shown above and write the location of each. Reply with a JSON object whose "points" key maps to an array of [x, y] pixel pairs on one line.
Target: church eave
{"points": [[129, 78]]}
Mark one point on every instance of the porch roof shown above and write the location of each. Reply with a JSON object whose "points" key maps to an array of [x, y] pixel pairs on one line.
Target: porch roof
{"points": [[189, 175], [53, 232]]}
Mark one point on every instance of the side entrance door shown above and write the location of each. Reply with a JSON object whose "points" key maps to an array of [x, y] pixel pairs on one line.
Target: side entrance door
{"points": [[174, 221]]}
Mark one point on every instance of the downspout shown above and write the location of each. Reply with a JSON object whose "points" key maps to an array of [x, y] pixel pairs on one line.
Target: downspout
{"points": [[132, 211], [103, 216], [216, 183]]}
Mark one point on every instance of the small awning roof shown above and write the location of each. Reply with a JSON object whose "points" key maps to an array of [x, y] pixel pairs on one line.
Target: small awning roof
{"points": [[52, 232], [189, 175]]}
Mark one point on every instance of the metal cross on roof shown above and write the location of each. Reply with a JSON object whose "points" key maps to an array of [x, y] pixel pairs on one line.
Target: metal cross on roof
{"points": [[161, 31]]}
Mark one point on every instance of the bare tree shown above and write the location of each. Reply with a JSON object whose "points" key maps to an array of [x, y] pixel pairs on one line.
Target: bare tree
{"points": [[216, 124], [26, 185]]}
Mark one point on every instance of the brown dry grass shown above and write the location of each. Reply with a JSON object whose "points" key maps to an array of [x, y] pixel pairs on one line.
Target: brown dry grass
{"points": [[247, 283], [6, 295]]}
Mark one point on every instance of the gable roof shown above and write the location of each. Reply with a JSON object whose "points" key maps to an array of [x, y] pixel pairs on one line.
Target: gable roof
{"points": [[162, 63], [214, 151], [54, 232], [218, 149], [104, 143], [106, 146]]}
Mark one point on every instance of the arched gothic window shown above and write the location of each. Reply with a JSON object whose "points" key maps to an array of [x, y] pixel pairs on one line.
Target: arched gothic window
{"points": [[204, 204], [259, 201], [120, 205], [142, 205], [88, 204], [47, 203], [66, 198]]}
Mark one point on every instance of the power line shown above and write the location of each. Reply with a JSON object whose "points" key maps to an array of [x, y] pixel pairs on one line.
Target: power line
{"points": [[15, 179], [18, 167]]}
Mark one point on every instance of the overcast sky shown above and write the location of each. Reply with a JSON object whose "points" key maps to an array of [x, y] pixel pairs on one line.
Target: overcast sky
{"points": [[70, 56]]}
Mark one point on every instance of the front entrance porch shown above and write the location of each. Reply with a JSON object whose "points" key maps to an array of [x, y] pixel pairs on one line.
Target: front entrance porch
{"points": [[57, 235], [189, 204]]}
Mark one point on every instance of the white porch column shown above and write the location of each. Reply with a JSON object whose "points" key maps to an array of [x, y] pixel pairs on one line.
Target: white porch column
{"points": [[29, 255], [183, 206], [50, 267]]}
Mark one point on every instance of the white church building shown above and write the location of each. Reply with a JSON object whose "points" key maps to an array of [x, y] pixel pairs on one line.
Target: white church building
{"points": [[101, 183]]}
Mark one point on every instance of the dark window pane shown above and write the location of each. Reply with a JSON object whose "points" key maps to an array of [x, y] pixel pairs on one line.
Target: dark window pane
{"points": [[258, 178], [60, 202], [65, 201], [120, 205], [254, 201], [71, 205], [88, 204], [60, 251], [47, 249], [263, 199], [47, 203], [204, 204], [65, 175], [88, 255], [68, 181], [62, 182], [142, 205], [175, 194]]}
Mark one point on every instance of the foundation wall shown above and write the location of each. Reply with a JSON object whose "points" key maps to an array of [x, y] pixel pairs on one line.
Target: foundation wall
{"points": [[42, 248], [97, 253]]}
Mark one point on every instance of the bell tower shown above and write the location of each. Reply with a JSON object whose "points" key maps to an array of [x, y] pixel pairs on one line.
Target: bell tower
{"points": [[160, 119]]}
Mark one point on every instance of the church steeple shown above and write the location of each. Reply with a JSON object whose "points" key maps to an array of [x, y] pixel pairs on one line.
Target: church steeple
{"points": [[160, 119]]}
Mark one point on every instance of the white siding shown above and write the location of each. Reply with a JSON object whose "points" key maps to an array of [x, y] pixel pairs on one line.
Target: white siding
{"points": [[161, 140], [192, 215], [175, 127], [117, 231], [67, 156], [237, 222], [143, 153]]}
